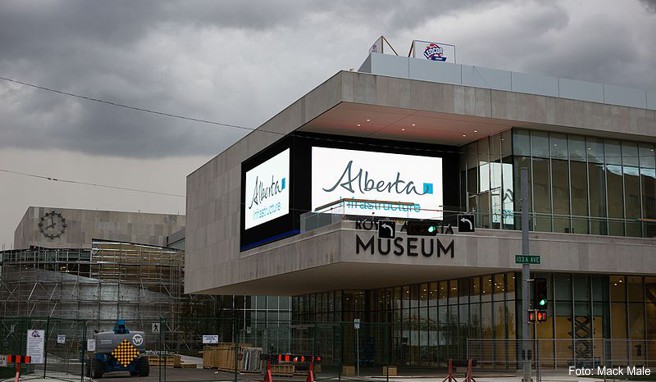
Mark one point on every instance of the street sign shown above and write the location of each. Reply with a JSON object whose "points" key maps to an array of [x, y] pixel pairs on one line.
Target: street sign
{"points": [[210, 339], [356, 324], [386, 229], [155, 327], [527, 259], [466, 223]]}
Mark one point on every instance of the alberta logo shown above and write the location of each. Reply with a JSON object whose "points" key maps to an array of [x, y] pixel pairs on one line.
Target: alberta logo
{"points": [[434, 52]]}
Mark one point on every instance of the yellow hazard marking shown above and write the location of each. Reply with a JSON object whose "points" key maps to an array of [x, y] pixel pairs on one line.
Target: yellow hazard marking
{"points": [[125, 353]]}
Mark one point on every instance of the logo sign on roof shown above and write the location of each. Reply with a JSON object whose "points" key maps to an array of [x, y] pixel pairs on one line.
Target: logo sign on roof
{"points": [[433, 51], [266, 194], [377, 184]]}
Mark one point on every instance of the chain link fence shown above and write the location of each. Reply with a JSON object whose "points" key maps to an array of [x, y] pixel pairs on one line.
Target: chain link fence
{"points": [[587, 356]]}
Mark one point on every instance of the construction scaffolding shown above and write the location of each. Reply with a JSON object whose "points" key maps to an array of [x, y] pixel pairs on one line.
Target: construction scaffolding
{"points": [[138, 283]]}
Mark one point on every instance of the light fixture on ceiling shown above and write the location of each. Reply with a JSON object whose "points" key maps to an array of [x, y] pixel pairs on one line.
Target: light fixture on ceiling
{"points": [[368, 120], [358, 125]]}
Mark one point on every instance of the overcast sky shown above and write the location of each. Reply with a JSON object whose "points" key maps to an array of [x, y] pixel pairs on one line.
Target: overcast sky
{"points": [[239, 63]]}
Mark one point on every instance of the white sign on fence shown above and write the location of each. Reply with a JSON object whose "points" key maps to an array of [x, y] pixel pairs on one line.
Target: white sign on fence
{"points": [[3, 360], [91, 344], [61, 338], [35, 344], [210, 338]]}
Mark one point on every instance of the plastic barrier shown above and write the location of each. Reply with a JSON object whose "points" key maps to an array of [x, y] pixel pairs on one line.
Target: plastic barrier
{"points": [[18, 360]]}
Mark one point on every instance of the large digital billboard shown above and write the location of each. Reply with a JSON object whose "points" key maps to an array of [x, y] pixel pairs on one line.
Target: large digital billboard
{"points": [[378, 182], [266, 191]]}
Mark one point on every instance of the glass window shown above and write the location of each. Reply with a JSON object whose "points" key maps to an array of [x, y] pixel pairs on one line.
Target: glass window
{"points": [[499, 287], [581, 287], [558, 146], [486, 290], [637, 321], [563, 287], [285, 301], [579, 176], [595, 149], [539, 144], [463, 291], [272, 302], [617, 288], [541, 186], [648, 181], [510, 286], [443, 292], [612, 152], [618, 321], [423, 292], [632, 192], [495, 148], [615, 191], [599, 289], [597, 190], [635, 289], [576, 147], [433, 294], [521, 142], [560, 187], [475, 289], [414, 296], [630, 154], [506, 144], [486, 320], [646, 155]]}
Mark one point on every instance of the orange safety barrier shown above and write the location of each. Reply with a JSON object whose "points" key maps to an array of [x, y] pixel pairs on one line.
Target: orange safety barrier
{"points": [[310, 377], [18, 360], [267, 374], [295, 358]]}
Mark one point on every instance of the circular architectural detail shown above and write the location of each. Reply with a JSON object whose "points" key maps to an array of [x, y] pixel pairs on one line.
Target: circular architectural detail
{"points": [[52, 225]]}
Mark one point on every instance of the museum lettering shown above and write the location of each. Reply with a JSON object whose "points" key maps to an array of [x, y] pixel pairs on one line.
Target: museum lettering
{"points": [[405, 246]]}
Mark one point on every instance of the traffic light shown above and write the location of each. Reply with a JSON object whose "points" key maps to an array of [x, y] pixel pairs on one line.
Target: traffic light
{"points": [[540, 315], [422, 228], [540, 293]]}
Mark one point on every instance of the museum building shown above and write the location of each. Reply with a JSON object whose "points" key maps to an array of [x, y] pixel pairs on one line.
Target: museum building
{"points": [[295, 208]]}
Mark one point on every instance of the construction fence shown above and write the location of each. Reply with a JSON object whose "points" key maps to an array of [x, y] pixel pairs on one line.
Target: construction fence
{"points": [[183, 346]]}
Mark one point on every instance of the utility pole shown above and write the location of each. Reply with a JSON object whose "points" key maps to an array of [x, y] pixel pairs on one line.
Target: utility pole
{"points": [[526, 275]]}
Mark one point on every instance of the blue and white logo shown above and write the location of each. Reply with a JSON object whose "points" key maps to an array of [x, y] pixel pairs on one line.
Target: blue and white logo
{"points": [[376, 183], [266, 192]]}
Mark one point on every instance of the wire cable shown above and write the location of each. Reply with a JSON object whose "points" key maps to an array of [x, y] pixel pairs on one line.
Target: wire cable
{"points": [[135, 108], [89, 184]]}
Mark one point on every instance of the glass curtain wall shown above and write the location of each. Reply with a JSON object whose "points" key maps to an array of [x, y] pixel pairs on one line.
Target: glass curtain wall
{"points": [[578, 184], [429, 323]]}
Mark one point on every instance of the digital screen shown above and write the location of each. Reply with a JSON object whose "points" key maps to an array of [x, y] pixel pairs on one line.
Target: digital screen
{"points": [[376, 184], [266, 192]]}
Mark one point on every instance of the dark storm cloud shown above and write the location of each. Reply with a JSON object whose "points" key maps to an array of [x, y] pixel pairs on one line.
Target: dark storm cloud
{"points": [[240, 62], [131, 52], [650, 5]]}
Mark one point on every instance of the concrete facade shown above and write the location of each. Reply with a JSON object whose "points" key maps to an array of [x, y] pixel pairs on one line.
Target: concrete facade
{"points": [[83, 226], [325, 258]]}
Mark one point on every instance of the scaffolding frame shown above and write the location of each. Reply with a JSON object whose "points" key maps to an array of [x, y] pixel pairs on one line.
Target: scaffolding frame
{"points": [[139, 283]]}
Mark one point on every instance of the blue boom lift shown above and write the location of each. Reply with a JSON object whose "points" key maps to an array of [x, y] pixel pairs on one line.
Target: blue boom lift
{"points": [[118, 350]]}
